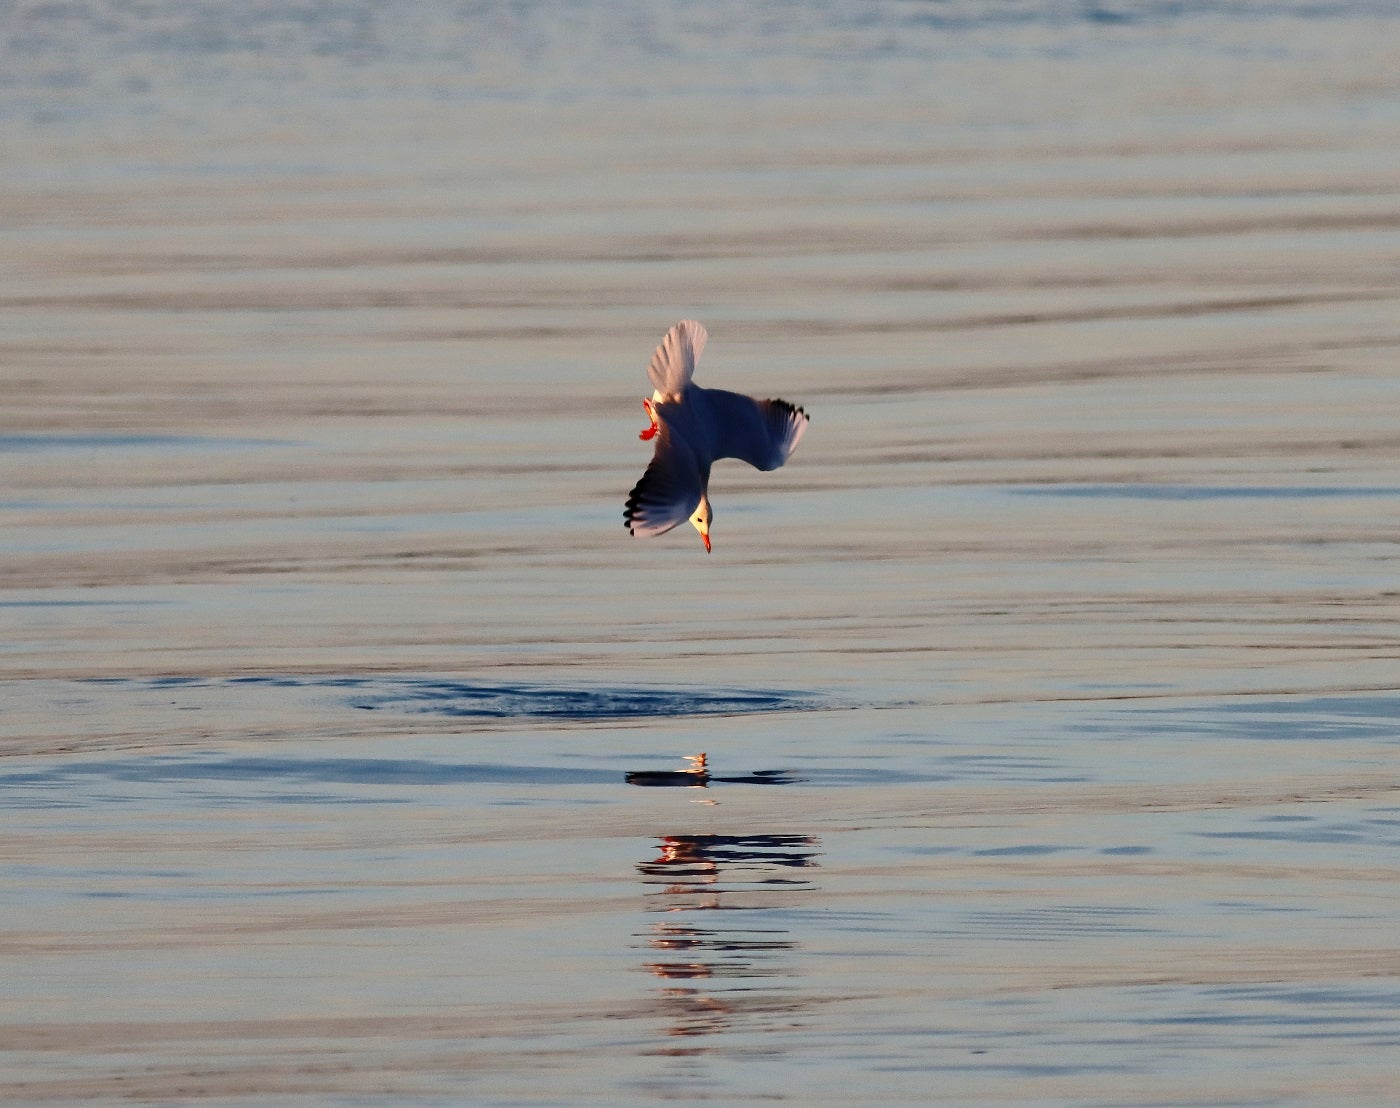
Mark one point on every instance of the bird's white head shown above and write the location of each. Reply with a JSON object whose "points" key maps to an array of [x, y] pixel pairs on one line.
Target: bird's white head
{"points": [[700, 520]]}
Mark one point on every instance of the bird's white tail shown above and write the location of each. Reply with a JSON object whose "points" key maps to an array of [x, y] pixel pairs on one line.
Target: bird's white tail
{"points": [[673, 364]]}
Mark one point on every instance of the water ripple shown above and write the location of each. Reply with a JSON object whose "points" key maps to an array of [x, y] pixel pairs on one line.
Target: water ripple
{"points": [[1209, 492], [466, 699]]}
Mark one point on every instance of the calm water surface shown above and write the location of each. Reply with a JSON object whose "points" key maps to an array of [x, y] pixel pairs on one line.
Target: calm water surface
{"points": [[1051, 694]]}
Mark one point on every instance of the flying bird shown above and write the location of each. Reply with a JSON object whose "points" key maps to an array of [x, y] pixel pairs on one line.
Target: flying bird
{"points": [[695, 427]]}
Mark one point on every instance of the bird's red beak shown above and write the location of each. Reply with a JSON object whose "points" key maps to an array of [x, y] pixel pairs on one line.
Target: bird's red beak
{"points": [[707, 543]]}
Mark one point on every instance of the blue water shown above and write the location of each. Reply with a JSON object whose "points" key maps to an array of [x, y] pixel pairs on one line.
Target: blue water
{"points": [[99, 445], [85, 61]]}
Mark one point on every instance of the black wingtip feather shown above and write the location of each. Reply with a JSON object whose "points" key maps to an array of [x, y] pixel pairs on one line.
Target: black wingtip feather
{"points": [[651, 492]]}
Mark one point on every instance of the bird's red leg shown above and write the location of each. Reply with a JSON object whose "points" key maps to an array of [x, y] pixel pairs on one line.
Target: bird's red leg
{"points": [[650, 432]]}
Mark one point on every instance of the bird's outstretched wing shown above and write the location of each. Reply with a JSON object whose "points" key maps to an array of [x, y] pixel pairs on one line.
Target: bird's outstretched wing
{"points": [[673, 364], [669, 490], [760, 432]]}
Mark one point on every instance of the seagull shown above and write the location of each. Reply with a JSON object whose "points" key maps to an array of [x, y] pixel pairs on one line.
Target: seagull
{"points": [[695, 427]]}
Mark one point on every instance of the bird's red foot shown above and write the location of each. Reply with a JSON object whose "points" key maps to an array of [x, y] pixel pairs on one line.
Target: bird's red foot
{"points": [[649, 433]]}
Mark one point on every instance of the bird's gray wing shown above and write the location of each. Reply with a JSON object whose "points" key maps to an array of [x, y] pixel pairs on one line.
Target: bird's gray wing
{"points": [[673, 364], [669, 490], [760, 432]]}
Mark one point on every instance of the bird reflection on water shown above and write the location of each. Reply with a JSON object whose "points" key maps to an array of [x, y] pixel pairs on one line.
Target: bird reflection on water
{"points": [[698, 775], [723, 971]]}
